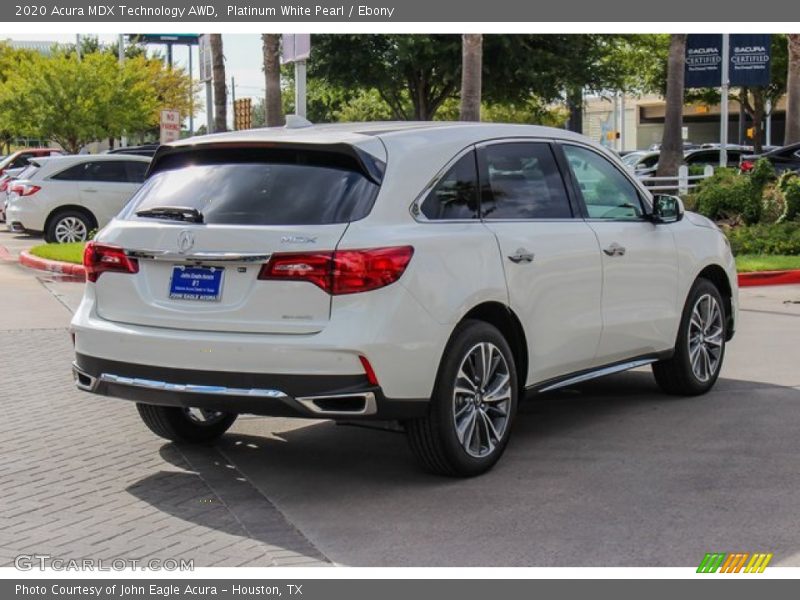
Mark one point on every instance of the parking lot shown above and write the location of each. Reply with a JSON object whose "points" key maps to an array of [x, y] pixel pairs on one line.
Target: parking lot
{"points": [[608, 473]]}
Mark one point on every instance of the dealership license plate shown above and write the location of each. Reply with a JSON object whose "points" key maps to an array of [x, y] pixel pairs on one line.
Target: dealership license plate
{"points": [[196, 283]]}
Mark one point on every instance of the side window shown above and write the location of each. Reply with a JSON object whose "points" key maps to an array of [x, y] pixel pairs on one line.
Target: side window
{"points": [[21, 161], [136, 171], [456, 194], [74, 173], [110, 171], [524, 183], [607, 193]]}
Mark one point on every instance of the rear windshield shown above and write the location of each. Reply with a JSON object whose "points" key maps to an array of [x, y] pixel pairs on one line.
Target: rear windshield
{"points": [[264, 188]]}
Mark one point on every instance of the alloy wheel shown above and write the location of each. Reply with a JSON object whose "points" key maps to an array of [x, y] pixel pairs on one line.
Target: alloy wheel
{"points": [[482, 400], [706, 337], [70, 229]]}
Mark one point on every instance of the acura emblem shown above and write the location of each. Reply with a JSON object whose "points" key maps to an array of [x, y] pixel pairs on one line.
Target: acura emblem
{"points": [[185, 241]]}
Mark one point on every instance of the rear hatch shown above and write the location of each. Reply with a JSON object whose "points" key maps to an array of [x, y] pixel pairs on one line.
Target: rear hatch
{"points": [[206, 221]]}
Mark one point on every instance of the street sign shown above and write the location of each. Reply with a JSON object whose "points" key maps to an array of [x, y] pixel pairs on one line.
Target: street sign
{"points": [[170, 126], [748, 64], [750, 59], [165, 38], [204, 52], [295, 47]]}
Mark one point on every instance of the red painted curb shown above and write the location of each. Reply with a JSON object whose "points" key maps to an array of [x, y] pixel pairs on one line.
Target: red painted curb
{"points": [[53, 266], [769, 278], [5, 254]]}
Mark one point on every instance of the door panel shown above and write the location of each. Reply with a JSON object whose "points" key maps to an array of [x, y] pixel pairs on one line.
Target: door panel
{"points": [[639, 288], [640, 265], [557, 295], [550, 257]]}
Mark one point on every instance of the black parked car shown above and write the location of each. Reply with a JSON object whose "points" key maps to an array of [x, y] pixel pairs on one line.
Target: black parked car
{"points": [[786, 158], [144, 150]]}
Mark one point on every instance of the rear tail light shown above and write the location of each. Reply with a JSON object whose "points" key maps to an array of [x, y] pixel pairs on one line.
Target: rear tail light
{"points": [[24, 189], [99, 258], [372, 379], [746, 165], [3, 185], [341, 271]]}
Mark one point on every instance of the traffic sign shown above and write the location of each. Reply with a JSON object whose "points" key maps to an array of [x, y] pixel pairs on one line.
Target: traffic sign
{"points": [[170, 126]]}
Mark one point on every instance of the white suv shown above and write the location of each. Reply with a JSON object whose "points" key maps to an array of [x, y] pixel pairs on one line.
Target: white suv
{"points": [[426, 273]]}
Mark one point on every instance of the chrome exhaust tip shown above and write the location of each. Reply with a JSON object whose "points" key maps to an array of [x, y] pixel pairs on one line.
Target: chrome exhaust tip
{"points": [[362, 403], [83, 381]]}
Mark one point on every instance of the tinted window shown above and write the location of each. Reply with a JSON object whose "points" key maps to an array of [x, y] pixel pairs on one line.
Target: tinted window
{"points": [[260, 193], [20, 161], [136, 171], [607, 193], [456, 194], [524, 183], [74, 173], [112, 171]]}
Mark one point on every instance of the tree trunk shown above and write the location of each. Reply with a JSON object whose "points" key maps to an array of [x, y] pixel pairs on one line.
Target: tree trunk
{"points": [[672, 141], [793, 91], [575, 106], [759, 115], [272, 74], [471, 65], [218, 73]]}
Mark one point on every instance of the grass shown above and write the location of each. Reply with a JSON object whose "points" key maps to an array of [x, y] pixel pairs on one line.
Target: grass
{"points": [[71, 253], [748, 263]]}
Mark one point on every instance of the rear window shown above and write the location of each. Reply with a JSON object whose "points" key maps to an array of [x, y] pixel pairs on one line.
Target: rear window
{"points": [[280, 187]]}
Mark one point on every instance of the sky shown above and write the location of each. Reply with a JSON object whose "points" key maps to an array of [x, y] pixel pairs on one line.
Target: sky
{"points": [[243, 60]]}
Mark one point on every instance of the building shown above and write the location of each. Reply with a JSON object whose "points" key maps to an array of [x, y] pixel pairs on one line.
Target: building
{"points": [[643, 122]]}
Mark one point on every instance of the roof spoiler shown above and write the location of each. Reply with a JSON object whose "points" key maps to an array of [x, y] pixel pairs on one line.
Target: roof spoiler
{"points": [[370, 166]]}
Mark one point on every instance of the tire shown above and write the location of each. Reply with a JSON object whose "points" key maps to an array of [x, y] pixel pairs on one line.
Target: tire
{"points": [[68, 226], [177, 424], [701, 336], [434, 438]]}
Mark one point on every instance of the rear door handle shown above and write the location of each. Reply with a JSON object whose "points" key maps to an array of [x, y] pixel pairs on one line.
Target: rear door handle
{"points": [[521, 256], [614, 250], [90, 190]]}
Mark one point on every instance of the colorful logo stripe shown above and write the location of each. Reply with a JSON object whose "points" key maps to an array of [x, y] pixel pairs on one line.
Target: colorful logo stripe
{"points": [[734, 562]]}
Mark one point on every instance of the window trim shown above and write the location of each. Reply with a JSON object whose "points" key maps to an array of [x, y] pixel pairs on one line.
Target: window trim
{"points": [[644, 196]]}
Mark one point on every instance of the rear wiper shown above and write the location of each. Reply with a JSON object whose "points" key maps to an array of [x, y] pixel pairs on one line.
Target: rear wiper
{"points": [[173, 213]]}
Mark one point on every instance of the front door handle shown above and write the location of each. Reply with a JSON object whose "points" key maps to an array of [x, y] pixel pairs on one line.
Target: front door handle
{"points": [[614, 250], [521, 256]]}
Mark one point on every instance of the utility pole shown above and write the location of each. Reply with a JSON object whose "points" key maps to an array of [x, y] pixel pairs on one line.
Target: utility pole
{"points": [[300, 88], [723, 125], [191, 96], [123, 140]]}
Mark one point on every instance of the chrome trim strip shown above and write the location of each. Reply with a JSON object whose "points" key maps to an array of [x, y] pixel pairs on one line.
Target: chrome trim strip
{"points": [[216, 390], [167, 255], [308, 402], [370, 406], [599, 373]]}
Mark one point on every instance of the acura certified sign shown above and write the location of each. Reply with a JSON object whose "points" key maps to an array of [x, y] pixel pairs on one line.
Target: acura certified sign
{"points": [[749, 60]]}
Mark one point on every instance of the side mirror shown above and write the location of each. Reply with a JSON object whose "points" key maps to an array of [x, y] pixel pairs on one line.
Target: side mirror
{"points": [[667, 209]]}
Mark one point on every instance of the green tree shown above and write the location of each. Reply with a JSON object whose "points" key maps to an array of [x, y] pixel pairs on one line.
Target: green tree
{"points": [[77, 102]]}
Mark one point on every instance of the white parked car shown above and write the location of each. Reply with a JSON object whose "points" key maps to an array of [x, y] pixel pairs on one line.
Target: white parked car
{"points": [[67, 197], [426, 273]]}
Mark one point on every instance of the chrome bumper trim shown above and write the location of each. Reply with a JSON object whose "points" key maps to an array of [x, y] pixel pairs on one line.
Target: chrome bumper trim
{"points": [[86, 382]]}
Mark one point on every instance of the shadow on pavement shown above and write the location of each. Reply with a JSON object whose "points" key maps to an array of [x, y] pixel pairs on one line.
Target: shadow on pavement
{"points": [[609, 473]]}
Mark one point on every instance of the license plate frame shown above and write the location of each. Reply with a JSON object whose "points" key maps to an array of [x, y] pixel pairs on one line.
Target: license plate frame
{"points": [[196, 283]]}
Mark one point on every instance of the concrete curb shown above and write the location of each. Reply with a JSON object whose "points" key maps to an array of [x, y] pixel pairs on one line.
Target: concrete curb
{"points": [[769, 278], [53, 266]]}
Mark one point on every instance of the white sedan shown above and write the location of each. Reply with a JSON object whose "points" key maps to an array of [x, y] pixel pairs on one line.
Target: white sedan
{"points": [[67, 197]]}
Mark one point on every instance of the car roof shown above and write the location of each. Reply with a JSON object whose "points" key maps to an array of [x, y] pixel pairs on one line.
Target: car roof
{"points": [[359, 132], [79, 158]]}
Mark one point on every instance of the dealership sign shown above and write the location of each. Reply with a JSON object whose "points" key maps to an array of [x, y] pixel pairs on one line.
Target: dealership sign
{"points": [[748, 61]]}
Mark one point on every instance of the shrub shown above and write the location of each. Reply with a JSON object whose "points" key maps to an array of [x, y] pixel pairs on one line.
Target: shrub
{"points": [[728, 196], [762, 173], [781, 238], [791, 197], [773, 204]]}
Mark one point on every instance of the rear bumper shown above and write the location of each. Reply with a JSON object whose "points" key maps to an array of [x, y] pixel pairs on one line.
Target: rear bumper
{"points": [[338, 397]]}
